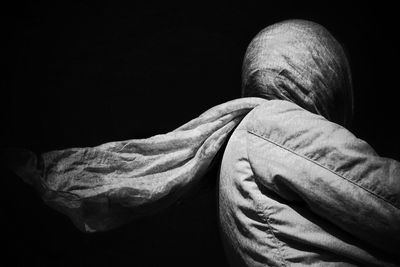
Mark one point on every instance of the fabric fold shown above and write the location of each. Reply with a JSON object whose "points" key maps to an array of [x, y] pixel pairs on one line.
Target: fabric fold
{"points": [[103, 187]]}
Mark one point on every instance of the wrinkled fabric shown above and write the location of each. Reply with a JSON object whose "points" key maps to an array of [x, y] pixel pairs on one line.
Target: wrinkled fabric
{"points": [[102, 187], [296, 189], [300, 61]]}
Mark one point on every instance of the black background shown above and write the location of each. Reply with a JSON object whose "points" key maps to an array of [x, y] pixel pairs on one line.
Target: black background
{"points": [[85, 74]]}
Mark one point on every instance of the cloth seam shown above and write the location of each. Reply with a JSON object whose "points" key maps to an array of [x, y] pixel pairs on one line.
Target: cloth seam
{"points": [[265, 217], [259, 135]]}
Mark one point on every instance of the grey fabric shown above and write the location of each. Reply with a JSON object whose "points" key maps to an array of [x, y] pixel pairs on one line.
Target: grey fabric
{"points": [[102, 187], [300, 61], [296, 189]]}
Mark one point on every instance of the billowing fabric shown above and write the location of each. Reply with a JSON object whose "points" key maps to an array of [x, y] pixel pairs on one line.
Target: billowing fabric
{"points": [[296, 189], [295, 186], [102, 187], [300, 61]]}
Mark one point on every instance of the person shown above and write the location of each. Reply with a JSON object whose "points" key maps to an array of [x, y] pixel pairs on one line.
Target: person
{"points": [[295, 186]]}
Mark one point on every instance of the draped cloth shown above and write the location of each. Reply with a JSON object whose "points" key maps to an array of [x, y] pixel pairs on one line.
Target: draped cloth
{"points": [[102, 187], [301, 62]]}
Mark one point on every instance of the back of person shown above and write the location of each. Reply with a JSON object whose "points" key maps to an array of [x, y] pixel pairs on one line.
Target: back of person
{"points": [[296, 187]]}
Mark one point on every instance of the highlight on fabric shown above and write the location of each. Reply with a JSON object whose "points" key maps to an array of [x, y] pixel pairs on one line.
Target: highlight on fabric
{"points": [[103, 187]]}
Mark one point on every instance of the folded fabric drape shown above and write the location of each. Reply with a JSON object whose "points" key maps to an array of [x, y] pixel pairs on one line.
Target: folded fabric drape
{"points": [[102, 187]]}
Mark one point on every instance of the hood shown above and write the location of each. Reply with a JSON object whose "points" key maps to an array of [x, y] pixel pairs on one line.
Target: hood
{"points": [[301, 62]]}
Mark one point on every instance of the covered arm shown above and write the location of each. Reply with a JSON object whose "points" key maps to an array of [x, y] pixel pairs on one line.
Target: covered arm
{"points": [[305, 158]]}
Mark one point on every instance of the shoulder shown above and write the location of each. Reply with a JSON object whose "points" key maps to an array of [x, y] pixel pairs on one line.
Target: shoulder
{"points": [[280, 133]]}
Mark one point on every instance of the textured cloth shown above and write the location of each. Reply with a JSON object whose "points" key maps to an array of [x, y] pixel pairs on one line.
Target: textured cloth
{"points": [[301, 62], [296, 189], [102, 187]]}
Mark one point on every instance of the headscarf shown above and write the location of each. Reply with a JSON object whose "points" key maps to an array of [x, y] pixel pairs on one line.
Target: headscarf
{"points": [[301, 62], [100, 188]]}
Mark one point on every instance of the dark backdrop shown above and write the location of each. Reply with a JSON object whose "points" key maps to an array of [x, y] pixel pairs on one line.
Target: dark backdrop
{"points": [[84, 74]]}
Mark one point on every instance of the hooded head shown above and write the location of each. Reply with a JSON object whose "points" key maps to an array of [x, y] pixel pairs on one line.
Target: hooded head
{"points": [[300, 61]]}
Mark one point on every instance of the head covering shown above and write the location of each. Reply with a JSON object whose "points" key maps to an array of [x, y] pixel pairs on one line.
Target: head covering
{"points": [[102, 187], [301, 62]]}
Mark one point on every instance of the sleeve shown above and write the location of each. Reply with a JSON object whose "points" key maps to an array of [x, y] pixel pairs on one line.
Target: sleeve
{"points": [[305, 158]]}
